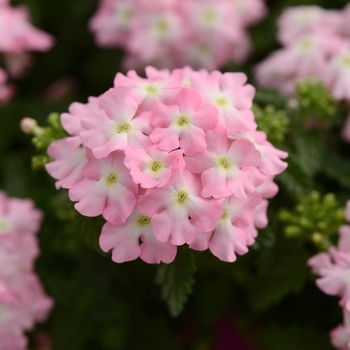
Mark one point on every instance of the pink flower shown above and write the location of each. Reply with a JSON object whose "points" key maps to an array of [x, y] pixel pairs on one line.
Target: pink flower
{"points": [[177, 33], [230, 95], [67, 164], [112, 22], [337, 75], [296, 22], [18, 35], [71, 121], [17, 253], [224, 166], [107, 189], [151, 167], [183, 124], [12, 341], [32, 305], [334, 267], [18, 215], [340, 336], [146, 91], [171, 206], [124, 241], [229, 238], [271, 163], [306, 57], [22, 298], [114, 125], [249, 12]]}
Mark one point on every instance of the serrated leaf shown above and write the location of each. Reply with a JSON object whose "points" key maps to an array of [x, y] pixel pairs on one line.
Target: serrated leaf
{"points": [[177, 280], [310, 150]]}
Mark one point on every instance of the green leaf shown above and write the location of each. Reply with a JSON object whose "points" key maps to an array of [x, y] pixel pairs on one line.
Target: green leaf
{"points": [[310, 150], [280, 271], [177, 280], [295, 179], [337, 168]]}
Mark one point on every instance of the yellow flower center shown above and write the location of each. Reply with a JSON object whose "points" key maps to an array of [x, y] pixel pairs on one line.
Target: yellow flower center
{"points": [[305, 44], [144, 220], [182, 120], [156, 165], [346, 61], [4, 226], [209, 16], [151, 89], [181, 197], [162, 26], [221, 101], [112, 178], [123, 128], [224, 163], [224, 215]]}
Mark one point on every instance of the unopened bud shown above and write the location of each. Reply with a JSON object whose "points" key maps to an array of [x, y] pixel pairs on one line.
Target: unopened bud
{"points": [[30, 126], [27, 125]]}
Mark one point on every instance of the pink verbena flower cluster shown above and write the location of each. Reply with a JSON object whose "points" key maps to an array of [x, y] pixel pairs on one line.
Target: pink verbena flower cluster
{"points": [[334, 269], [167, 33], [316, 46], [17, 37], [23, 301], [169, 159]]}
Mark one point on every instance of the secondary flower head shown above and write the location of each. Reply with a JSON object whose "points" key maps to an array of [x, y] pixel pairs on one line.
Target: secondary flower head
{"points": [[166, 161], [17, 38], [171, 33], [18, 215], [23, 301], [334, 268]]}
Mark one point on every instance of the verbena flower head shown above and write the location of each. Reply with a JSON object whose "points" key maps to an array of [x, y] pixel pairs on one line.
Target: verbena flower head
{"points": [[170, 159], [316, 46], [203, 34], [312, 39], [334, 268], [23, 301], [17, 38]]}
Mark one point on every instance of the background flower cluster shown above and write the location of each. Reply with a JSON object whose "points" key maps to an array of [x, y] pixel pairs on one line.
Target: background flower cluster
{"points": [[17, 38], [201, 34], [23, 301]]}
